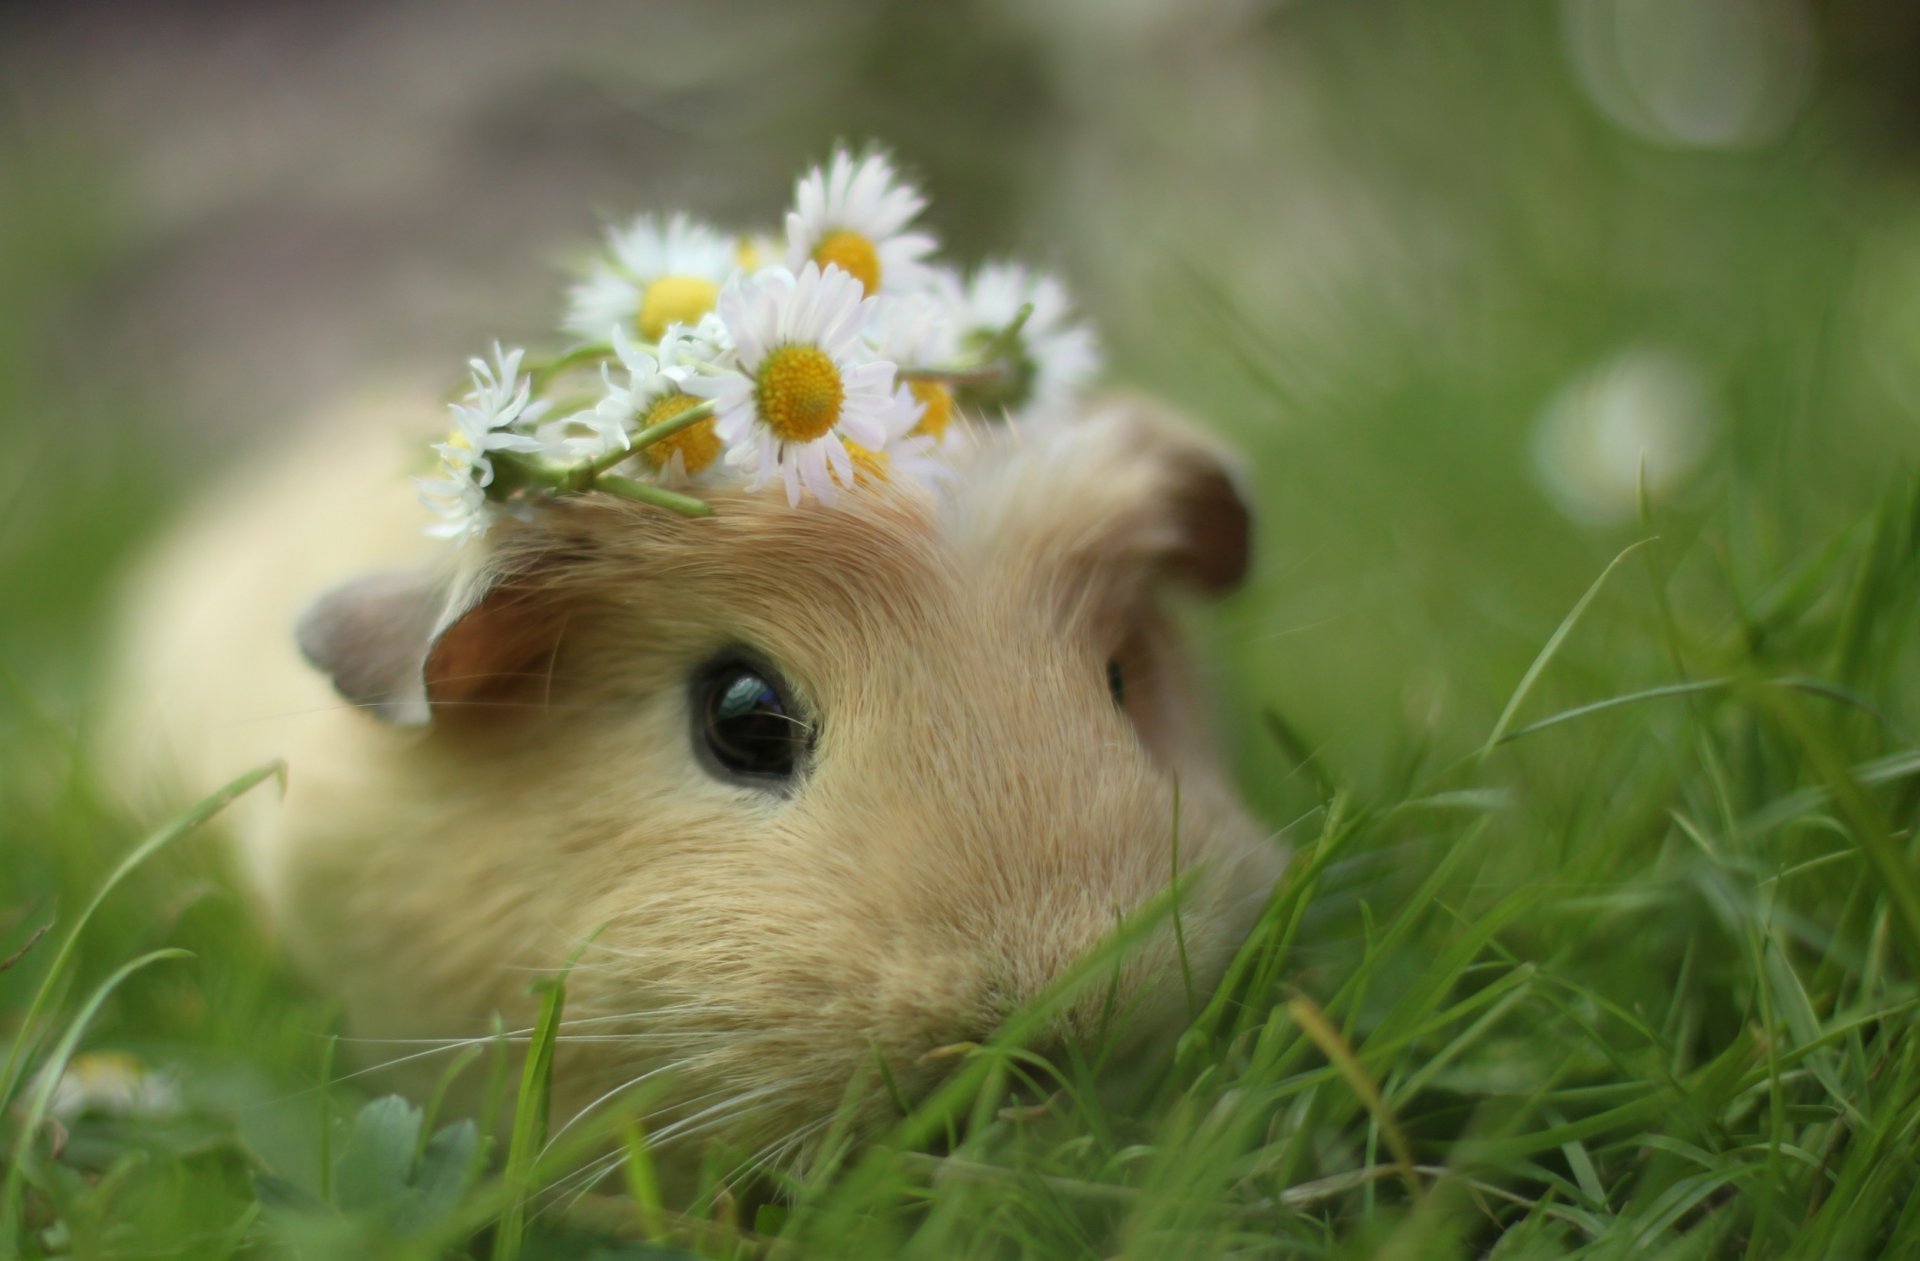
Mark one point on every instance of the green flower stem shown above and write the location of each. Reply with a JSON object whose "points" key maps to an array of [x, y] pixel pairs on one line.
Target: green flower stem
{"points": [[515, 472], [1003, 341], [542, 374], [991, 373], [646, 493], [584, 476], [991, 368], [673, 425]]}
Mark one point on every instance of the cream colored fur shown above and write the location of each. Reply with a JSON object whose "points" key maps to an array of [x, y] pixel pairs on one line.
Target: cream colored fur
{"points": [[976, 817]]}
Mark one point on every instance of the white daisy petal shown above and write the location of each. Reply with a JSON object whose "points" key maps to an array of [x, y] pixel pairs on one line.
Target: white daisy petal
{"points": [[802, 380], [833, 455], [485, 422], [853, 214], [652, 276]]}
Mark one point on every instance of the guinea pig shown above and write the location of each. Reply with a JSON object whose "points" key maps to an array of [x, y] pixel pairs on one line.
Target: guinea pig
{"points": [[796, 786]]}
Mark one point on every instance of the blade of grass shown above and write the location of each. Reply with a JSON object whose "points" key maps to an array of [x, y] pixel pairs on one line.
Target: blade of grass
{"points": [[1882, 770], [1865, 821], [1551, 649], [203, 810], [529, 1122], [26, 947], [324, 1101], [643, 1181], [1179, 928], [41, 1099], [1616, 702], [1314, 1023]]}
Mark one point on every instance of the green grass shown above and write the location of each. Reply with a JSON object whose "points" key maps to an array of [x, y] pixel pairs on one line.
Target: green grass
{"points": [[1602, 929]]}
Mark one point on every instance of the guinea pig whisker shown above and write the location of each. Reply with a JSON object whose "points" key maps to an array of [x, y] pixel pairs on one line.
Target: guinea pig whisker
{"points": [[711, 1118], [595, 1170], [622, 1088], [716, 1115], [641, 1014], [510, 1036], [771, 1157], [397, 1061], [781, 1150], [558, 707], [439, 1046], [772, 1152], [583, 1180]]}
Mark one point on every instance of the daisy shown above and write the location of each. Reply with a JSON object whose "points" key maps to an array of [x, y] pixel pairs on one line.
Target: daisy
{"points": [[601, 430], [803, 384], [688, 348], [918, 331], [656, 393], [112, 1084], [1052, 356], [906, 455], [656, 276], [483, 423], [853, 214], [459, 501]]}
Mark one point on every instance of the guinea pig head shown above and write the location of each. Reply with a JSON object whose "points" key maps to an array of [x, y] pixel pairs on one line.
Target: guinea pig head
{"points": [[820, 786]]}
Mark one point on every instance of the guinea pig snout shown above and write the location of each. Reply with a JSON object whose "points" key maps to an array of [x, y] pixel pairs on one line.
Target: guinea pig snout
{"points": [[1066, 936], [1016, 877]]}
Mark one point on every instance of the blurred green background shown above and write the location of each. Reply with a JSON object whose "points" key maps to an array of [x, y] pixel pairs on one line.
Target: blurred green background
{"points": [[1467, 283]]}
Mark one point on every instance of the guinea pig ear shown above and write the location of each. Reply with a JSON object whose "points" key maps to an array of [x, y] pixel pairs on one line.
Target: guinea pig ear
{"points": [[403, 643], [371, 636], [1212, 524], [1167, 489]]}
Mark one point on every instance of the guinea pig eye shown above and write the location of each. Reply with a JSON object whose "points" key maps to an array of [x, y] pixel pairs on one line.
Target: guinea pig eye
{"points": [[745, 724], [1116, 685]]}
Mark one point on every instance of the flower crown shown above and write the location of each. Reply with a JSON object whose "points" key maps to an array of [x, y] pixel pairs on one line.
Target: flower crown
{"points": [[845, 359]]}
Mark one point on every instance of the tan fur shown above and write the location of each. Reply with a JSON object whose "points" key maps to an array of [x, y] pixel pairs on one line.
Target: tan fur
{"points": [[978, 814]]}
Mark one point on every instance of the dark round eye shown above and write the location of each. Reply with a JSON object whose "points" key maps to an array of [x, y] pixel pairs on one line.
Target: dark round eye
{"points": [[745, 724], [1117, 684]]}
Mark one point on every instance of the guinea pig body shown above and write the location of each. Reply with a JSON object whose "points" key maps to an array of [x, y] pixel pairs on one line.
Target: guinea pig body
{"points": [[993, 724]]}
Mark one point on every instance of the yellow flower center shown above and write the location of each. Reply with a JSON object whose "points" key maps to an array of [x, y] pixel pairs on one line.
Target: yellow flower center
{"points": [[459, 439], [675, 300], [853, 254], [747, 254], [798, 392], [938, 401], [698, 444], [868, 466]]}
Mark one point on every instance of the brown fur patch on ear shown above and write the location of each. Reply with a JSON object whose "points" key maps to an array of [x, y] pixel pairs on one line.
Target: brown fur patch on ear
{"points": [[1215, 527], [499, 650], [412, 645]]}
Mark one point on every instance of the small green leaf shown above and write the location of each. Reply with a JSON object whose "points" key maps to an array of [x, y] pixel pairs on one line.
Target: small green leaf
{"points": [[452, 1163], [375, 1166], [278, 1194]]}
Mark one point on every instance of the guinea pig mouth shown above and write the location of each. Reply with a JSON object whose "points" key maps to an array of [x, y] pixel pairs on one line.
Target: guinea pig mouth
{"points": [[1031, 1084], [1027, 1098]]}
